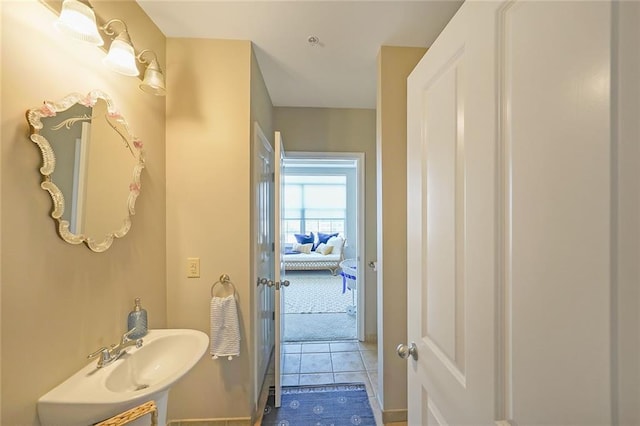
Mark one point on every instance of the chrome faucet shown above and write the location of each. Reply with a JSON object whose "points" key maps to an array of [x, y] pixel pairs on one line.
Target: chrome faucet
{"points": [[112, 353]]}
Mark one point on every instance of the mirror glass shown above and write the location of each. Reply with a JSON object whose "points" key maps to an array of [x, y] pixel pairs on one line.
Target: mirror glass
{"points": [[91, 166]]}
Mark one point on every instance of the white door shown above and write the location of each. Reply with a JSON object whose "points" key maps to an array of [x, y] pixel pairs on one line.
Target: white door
{"points": [[279, 279], [263, 308], [451, 225], [509, 217]]}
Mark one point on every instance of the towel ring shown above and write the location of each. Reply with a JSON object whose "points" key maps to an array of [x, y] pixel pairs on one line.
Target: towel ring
{"points": [[223, 280]]}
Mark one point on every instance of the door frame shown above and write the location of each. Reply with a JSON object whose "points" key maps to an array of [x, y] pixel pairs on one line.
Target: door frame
{"points": [[359, 158]]}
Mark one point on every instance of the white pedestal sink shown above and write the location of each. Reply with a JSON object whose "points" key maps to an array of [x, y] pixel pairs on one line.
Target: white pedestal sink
{"points": [[142, 374]]}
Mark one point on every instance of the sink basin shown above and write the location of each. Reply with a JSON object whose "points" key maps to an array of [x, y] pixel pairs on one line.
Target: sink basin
{"points": [[142, 374]]}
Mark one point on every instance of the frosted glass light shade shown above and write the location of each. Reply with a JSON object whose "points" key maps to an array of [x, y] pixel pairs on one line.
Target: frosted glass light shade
{"points": [[153, 82], [77, 20], [121, 57]]}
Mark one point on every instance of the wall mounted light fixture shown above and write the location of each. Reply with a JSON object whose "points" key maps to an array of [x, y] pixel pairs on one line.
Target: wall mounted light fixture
{"points": [[153, 81], [121, 57], [78, 20]]}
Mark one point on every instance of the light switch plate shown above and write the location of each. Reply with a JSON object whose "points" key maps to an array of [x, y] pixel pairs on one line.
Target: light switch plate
{"points": [[193, 267]]}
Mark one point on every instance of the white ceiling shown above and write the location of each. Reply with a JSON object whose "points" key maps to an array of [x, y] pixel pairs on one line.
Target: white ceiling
{"points": [[340, 71]]}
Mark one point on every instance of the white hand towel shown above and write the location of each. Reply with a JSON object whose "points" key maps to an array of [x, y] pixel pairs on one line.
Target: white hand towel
{"points": [[225, 329]]}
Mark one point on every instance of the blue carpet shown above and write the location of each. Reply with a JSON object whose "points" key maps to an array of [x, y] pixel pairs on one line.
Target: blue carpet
{"points": [[320, 405]]}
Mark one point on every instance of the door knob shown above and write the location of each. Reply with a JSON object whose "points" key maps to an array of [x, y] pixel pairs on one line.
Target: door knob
{"points": [[266, 281], [405, 351]]}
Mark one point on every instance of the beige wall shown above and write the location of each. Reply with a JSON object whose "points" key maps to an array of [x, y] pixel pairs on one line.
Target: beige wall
{"points": [[261, 105], [626, 390], [214, 94], [340, 130], [394, 65], [2, 120], [60, 301]]}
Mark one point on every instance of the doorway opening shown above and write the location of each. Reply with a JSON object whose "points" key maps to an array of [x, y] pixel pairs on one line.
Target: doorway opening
{"points": [[321, 226]]}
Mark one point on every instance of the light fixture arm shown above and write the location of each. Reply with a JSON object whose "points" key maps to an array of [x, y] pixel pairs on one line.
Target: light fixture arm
{"points": [[141, 59], [86, 3], [109, 30]]}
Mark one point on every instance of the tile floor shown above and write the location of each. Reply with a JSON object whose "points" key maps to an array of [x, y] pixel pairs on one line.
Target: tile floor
{"points": [[311, 363]]}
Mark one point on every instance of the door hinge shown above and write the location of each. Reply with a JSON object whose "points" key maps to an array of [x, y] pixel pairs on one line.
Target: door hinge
{"points": [[273, 177], [273, 315], [273, 247]]}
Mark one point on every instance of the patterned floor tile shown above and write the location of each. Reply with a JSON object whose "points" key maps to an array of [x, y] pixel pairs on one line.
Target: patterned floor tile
{"points": [[316, 363], [290, 379], [370, 359], [291, 364], [292, 348], [316, 379], [373, 378], [344, 346], [347, 361], [315, 347], [354, 377]]}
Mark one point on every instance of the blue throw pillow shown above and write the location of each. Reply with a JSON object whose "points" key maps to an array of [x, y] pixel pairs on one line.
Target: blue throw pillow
{"points": [[323, 238], [305, 239]]}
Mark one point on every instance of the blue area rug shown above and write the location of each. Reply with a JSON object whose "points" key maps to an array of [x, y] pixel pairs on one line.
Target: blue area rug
{"points": [[320, 405]]}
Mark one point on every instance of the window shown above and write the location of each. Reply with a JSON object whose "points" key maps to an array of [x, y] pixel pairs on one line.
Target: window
{"points": [[314, 203]]}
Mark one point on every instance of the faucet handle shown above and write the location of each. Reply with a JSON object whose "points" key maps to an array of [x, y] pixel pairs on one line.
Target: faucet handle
{"points": [[103, 350], [126, 335], [104, 354]]}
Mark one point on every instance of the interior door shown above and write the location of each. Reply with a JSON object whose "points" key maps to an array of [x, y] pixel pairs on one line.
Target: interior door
{"points": [[279, 279], [510, 266], [264, 334], [451, 160]]}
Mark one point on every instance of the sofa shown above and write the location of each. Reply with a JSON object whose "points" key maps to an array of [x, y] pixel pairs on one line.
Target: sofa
{"points": [[297, 257]]}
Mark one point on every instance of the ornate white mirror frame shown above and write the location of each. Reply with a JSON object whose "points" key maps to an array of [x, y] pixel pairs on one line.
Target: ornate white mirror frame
{"points": [[88, 155]]}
